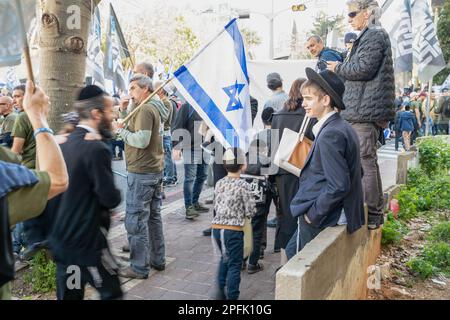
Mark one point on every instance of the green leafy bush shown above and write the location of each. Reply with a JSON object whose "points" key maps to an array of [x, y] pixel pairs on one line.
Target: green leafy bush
{"points": [[438, 254], [393, 230], [434, 155], [408, 201], [434, 259], [423, 193], [440, 232], [42, 276], [422, 268]]}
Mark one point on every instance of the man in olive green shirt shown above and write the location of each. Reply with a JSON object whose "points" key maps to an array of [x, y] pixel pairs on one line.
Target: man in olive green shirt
{"points": [[24, 142], [27, 191], [9, 118], [144, 157]]}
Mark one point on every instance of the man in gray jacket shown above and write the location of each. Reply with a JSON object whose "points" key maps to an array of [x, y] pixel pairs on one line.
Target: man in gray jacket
{"points": [[369, 95]]}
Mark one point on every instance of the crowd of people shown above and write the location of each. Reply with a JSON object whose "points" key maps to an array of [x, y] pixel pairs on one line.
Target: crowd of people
{"points": [[349, 97]]}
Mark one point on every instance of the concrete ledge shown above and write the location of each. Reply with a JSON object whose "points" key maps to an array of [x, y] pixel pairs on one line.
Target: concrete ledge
{"points": [[332, 266], [404, 162]]}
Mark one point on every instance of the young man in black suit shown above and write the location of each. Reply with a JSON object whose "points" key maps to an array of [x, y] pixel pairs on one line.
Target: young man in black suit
{"points": [[330, 191], [79, 237]]}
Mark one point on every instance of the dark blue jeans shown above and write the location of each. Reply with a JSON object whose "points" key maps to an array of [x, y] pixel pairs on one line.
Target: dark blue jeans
{"points": [[170, 170], [231, 244], [143, 221], [195, 176], [307, 234], [18, 238]]}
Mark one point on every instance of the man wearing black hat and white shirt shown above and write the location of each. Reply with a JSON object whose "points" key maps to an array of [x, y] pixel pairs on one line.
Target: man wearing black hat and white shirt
{"points": [[279, 97], [330, 190]]}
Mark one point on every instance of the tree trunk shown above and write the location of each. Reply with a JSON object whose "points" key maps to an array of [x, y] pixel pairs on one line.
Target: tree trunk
{"points": [[63, 44]]}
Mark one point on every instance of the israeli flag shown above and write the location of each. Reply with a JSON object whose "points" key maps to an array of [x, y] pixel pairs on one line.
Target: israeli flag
{"points": [[216, 83]]}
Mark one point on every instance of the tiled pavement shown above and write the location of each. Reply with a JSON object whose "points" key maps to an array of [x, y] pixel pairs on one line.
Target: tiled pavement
{"points": [[192, 262], [191, 258]]}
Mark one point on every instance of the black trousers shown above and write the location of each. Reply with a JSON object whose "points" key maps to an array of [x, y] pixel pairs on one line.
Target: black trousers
{"points": [[259, 225], [71, 281], [219, 173], [287, 186]]}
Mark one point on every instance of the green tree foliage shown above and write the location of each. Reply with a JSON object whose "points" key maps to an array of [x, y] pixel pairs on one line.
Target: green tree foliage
{"points": [[325, 24], [443, 30]]}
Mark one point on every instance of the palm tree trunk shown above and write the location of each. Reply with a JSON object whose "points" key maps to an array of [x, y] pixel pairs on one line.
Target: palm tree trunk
{"points": [[63, 44]]}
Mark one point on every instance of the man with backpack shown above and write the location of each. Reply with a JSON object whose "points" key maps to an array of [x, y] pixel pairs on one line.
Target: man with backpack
{"points": [[317, 49]]}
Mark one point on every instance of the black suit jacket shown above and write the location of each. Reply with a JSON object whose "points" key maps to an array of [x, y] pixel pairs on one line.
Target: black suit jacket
{"points": [[331, 178], [77, 237]]}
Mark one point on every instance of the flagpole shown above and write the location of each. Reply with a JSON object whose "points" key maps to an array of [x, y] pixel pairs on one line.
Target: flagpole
{"points": [[26, 48], [128, 117], [428, 117]]}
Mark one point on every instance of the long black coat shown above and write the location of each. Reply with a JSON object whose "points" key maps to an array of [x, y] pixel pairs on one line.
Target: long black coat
{"points": [[331, 178]]}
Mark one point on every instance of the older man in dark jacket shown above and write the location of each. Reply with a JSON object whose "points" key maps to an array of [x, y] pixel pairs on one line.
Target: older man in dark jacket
{"points": [[369, 95]]}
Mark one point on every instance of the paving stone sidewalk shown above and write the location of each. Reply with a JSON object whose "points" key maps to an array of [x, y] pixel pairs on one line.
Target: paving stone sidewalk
{"points": [[192, 261]]}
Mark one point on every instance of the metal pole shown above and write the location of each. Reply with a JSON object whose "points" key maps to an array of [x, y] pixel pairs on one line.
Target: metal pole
{"points": [[427, 126], [430, 85], [272, 17]]}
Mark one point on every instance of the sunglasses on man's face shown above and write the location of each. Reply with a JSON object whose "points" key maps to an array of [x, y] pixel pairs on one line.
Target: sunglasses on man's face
{"points": [[353, 14]]}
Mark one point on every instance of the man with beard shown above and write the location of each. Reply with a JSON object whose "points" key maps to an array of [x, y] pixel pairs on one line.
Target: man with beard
{"points": [[79, 237]]}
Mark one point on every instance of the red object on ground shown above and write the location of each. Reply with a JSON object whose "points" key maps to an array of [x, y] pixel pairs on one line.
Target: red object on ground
{"points": [[394, 207]]}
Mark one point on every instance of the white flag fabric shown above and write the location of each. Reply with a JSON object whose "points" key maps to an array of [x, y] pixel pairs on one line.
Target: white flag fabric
{"points": [[113, 68], [11, 78], [396, 20], [11, 45], [427, 51], [216, 83], [95, 60]]}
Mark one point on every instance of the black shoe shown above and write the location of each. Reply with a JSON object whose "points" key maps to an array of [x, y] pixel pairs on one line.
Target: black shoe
{"points": [[32, 250], [207, 232], [251, 269], [158, 268], [276, 250], [198, 207], [272, 223], [191, 213], [374, 221]]}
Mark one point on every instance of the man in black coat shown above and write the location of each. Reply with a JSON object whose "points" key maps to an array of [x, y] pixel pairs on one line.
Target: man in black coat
{"points": [[79, 237], [330, 188], [369, 95]]}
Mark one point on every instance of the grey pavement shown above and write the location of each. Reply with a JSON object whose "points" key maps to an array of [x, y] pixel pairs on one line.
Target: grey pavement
{"points": [[192, 260]]}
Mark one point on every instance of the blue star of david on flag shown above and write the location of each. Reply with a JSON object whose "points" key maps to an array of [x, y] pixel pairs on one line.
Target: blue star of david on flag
{"points": [[216, 84], [233, 92]]}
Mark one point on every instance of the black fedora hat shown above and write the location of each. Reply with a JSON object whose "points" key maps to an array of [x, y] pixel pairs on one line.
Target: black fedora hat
{"points": [[330, 83]]}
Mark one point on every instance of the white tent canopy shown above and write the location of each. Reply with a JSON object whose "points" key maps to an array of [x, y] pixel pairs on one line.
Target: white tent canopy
{"points": [[258, 70]]}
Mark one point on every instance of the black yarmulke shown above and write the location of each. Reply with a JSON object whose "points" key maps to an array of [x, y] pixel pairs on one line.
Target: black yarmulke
{"points": [[90, 92]]}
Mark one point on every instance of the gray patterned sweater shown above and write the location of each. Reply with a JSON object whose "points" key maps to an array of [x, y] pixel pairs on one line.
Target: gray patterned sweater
{"points": [[233, 202]]}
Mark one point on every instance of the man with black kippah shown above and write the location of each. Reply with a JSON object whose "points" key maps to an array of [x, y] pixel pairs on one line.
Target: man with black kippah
{"points": [[79, 237]]}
